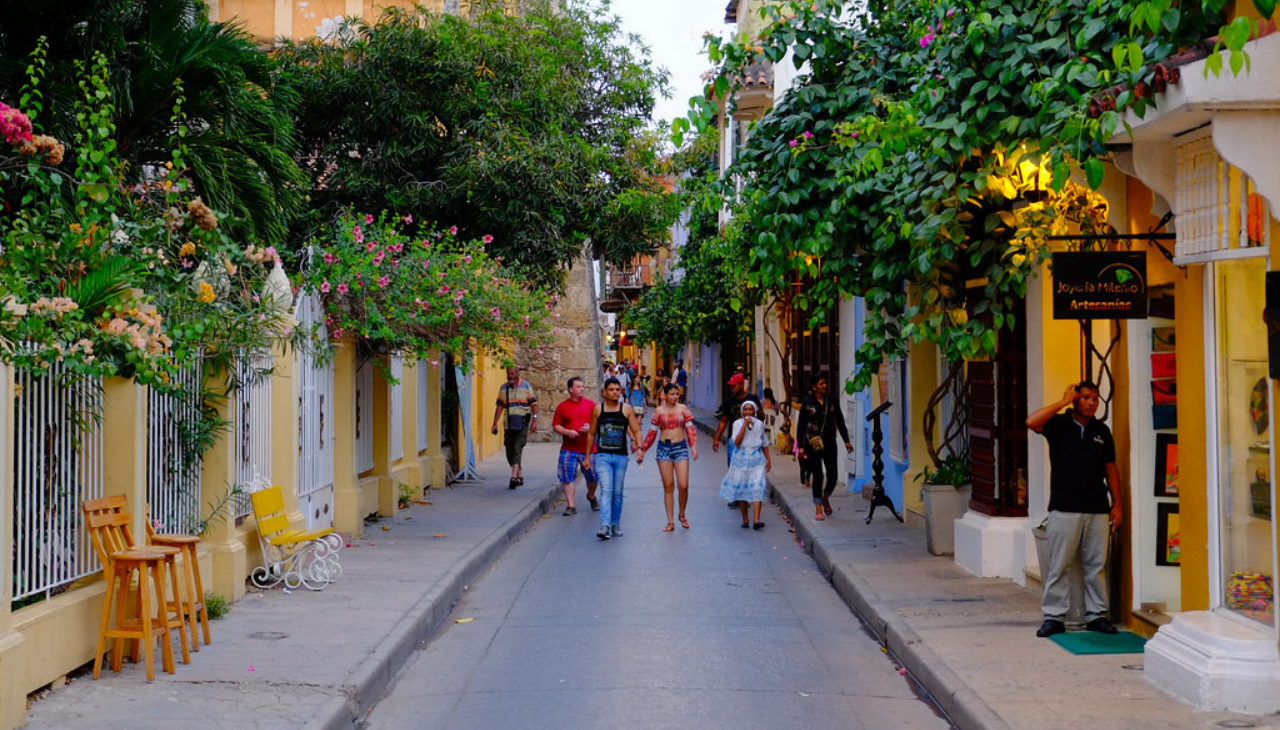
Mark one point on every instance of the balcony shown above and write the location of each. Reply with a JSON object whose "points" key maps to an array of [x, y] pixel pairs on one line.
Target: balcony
{"points": [[625, 283]]}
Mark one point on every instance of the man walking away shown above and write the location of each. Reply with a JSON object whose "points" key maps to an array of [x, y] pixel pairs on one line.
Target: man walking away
{"points": [[517, 400], [1082, 475]]}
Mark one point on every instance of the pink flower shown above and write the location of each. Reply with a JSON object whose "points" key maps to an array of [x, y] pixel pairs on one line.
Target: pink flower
{"points": [[497, 313], [357, 234], [793, 143], [378, 259], [457, 313], [370, 247], [453, 230], [384, 282], [368, 218], [807, 134], [397, 248], [487, 238], [466, 259], [443, 290], [338, 333], [187, 263], [408, 219], [343, 288], [324, 287], [926, 39], [330, 258]]}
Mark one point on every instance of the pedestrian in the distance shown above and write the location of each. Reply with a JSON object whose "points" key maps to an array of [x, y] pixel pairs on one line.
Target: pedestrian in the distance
{"points": [[636, 397], [745, 481], [820, 419], [682, 379], [611, 421], [677, 438], [516, 399], [1082, 476], [572, 420]]}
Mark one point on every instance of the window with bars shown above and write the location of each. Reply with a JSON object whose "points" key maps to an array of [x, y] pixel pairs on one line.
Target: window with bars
{"points": [[1220, 213]]}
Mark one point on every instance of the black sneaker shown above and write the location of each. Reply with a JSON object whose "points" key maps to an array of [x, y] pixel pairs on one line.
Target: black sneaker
{"points": [[617, 531], [513, 484], [571, 511], [1102, 626], [1050, 627], [603, 534]]}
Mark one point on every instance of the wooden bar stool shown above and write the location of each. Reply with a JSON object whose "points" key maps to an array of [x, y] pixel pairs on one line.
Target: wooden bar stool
{"points": [[111, 535], [193, 598], [151, 623]]}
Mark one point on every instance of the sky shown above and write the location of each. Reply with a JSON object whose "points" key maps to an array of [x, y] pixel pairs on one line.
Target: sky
{"points": [[672, 29]]}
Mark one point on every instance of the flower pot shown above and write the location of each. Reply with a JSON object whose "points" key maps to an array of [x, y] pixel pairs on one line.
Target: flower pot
{"points": [[1075, 595], [943, 505]]}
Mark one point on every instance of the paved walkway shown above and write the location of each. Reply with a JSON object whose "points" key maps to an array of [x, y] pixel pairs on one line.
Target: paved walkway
{"points": [[322, 660]]}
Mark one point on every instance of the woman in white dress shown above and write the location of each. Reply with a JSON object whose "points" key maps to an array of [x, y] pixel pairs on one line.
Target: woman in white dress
{"points": [[745, 481]]}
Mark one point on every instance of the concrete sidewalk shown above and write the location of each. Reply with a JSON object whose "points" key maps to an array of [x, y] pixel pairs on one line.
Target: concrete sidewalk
{"points": [[322, 659], [971, 641]]}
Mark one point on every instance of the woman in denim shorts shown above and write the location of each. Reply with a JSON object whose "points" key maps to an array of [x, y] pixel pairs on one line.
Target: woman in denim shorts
{"points": [[677, 439]]}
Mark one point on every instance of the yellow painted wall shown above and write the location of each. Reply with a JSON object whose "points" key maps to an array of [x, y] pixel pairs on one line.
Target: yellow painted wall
{"points": [[269, 20], [1192, 458]]}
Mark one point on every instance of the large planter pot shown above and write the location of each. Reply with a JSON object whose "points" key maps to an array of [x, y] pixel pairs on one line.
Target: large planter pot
{"points": [[943, 505], [1075, 596]]}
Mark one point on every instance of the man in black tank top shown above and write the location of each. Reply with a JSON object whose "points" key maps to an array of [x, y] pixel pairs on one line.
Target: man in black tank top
{"points": [[608, 452]]}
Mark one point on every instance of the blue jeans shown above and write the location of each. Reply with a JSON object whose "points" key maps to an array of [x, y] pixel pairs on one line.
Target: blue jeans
{"points": [[612, 470]]}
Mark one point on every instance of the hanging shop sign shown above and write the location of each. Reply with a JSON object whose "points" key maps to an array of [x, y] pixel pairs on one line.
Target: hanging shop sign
{"points": [[1100, 285]]}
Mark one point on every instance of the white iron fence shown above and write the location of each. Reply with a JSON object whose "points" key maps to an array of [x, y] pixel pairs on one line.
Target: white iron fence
{"points": [[173, 465], [364, 417], [57, 465], [1220, 213], [423, 400], [253, 426], [395, 411], [315, 421]]}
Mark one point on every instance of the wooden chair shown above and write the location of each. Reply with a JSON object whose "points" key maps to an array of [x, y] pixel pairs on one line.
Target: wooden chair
{"points": [[193, 598], [112, 537], [296, 556]]}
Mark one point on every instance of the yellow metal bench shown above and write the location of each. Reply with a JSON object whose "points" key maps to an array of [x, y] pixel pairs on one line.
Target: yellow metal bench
{"points": [[292, 555]]}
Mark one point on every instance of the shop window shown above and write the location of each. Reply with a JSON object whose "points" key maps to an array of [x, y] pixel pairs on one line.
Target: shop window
{"points": [[1246, 550]]}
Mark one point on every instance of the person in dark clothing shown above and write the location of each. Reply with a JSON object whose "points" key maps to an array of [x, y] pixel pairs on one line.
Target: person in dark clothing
{"points": [[820, 419], [1084, 504]]}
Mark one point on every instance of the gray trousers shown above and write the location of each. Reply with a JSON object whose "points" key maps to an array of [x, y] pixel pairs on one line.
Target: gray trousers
{"points": [[1076, 536]]}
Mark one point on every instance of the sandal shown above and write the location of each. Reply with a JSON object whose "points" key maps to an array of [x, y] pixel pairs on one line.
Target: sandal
{"points": [[571, 511], [683, 522], [826, 505], [819, 517], [669, 528]]}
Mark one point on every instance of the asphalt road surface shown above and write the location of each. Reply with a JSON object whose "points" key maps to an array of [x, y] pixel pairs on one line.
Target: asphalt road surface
{"points": [[710, 627]]}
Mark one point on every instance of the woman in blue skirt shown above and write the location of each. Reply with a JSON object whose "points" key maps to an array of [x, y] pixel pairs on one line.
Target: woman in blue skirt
{"points": [[745, 481]]}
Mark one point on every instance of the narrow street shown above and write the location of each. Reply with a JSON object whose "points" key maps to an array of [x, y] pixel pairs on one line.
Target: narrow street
{"points": [[714, 626]]}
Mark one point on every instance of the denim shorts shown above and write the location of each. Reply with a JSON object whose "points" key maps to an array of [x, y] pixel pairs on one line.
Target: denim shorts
{"points": [[673, 451]]}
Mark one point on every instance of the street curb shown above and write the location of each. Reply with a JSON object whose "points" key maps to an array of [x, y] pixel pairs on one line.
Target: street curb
{"points": [[376, 673], [962, 705]]}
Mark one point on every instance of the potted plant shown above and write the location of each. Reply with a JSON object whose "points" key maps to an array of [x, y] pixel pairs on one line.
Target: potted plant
{"points": [[945, 492]]}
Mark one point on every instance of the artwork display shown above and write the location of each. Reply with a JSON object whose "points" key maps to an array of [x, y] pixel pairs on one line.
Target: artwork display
{"points": [[1166, 482], [1168, 535]]}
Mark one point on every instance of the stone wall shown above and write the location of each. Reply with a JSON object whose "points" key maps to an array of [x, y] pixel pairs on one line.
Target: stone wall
{"points": [[575, 349]]}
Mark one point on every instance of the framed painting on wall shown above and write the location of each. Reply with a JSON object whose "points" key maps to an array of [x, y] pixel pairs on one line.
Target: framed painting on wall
{"points": [[1168, 535], [1166, 482]]}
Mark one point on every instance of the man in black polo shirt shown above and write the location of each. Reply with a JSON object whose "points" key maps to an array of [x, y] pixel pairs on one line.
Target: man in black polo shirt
{"points": [[1082, 473]]}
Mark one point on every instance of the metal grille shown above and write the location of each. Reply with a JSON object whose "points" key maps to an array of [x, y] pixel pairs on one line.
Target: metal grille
{"points": [[173, 473], [364, 417], [57, 465], [423, 400], [1219, 209], [253, 426], [395, 411], [315, 407]]}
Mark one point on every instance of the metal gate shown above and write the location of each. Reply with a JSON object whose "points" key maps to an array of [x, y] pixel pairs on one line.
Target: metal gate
{"points": [[315, 419], [173, 469], [253, 426]]}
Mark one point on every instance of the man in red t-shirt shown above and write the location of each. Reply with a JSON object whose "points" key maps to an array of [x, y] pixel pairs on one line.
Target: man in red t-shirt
{"points": [[572, 421]]}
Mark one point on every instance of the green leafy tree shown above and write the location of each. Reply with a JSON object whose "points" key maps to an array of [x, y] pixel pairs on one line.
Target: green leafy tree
{"points": [[913, 154], [527, 127]]}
